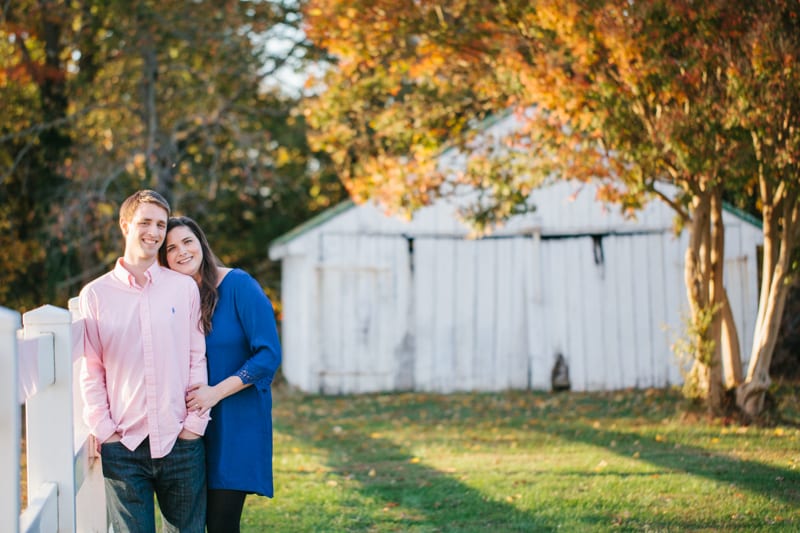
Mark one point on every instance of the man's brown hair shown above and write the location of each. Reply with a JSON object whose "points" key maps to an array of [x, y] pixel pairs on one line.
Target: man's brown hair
{"points": [[145, 196]]}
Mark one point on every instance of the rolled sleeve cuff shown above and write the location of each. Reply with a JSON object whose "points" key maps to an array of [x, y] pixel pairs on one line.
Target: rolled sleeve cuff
{"points": [[196, 424], [103, 431]]}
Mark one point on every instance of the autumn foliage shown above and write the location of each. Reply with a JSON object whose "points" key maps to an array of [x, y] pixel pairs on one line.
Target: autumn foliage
{"points": [[98, 99], [675, 100]]}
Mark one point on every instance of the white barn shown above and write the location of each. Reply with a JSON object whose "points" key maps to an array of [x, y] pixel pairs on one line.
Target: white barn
{"points": [[375, 303]]}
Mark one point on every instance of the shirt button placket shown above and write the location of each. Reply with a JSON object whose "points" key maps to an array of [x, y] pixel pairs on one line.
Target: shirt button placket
{"points": [[149, 370]]}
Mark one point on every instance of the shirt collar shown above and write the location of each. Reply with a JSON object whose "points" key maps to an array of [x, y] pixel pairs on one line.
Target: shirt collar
{"points": [[124, 275]]}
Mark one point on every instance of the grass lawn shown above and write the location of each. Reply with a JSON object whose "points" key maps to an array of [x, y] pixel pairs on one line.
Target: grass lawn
{"points": [[526, 461]]}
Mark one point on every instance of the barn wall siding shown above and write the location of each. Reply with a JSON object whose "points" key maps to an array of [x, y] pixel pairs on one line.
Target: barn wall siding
{"points": [[372, 303], [296, 324]]}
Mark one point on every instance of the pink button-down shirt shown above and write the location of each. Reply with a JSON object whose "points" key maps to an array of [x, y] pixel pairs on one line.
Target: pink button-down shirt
{"points": [[143, 348]]}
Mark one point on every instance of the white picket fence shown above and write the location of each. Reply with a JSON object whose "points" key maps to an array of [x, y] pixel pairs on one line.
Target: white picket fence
{"points": [[39, 356]]}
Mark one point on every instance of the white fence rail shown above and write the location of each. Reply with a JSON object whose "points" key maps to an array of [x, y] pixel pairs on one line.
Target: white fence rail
{"points": [[64, 477]]}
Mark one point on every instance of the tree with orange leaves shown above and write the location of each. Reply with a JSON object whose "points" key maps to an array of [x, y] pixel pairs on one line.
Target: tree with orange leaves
{"points": [[642, 96]]}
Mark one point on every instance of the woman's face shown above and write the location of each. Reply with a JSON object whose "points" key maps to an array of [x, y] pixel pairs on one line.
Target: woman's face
{"points": [[184, 253]]}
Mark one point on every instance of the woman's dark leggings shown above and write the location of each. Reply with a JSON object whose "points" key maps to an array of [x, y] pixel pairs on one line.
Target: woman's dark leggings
{"points": [[224, 510]]}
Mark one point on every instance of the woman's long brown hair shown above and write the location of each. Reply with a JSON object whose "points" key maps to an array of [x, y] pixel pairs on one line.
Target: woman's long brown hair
{"points": [[208, 269]]}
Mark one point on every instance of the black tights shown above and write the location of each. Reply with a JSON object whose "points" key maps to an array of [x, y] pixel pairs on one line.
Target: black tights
{"points": [[224, 510]]}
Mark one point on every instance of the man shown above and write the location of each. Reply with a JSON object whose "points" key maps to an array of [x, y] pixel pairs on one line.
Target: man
{"points": [[143, 347]]}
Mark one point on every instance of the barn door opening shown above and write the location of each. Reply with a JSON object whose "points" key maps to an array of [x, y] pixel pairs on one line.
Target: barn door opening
{"points": [[362, 312], [473, 303]]}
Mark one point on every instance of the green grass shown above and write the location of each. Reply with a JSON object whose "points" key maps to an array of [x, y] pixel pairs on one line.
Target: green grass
{"points": [[523, 461]]}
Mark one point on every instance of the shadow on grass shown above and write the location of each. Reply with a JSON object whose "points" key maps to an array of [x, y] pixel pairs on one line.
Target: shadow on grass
{"points": [[407, 494], [774, 482]]}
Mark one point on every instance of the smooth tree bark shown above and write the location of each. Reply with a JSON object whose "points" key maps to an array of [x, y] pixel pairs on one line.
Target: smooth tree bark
{"points": [[780, 228]]}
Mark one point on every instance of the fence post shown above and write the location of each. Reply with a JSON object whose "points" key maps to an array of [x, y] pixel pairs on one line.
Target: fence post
{"points": [[90, 504], [50, 435], [10, 432]]}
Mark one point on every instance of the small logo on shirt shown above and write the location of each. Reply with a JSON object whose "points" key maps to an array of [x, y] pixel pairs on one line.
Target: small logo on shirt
{"points": [[173, 310]]}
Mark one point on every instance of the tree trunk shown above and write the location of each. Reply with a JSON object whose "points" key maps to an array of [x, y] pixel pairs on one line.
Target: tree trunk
{"points": [[718, 299], [729, 344], [696, 278], [45, 181], [713, 336], [160, 150], [780, 232]]}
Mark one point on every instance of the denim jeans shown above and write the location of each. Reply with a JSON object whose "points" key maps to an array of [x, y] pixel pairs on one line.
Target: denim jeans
{"points": [[178, 481]]}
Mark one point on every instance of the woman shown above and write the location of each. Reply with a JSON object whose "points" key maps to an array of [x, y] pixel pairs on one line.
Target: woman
{"points": [[243, 353]]}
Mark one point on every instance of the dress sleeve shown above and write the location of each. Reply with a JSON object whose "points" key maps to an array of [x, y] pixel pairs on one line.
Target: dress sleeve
{"points": [[257, 317]]}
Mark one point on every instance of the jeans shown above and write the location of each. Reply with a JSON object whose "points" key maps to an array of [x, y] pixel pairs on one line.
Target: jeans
{"points": [[177, 480]]}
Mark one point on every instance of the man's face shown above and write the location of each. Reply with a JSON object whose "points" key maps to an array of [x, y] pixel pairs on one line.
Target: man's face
{"points": [[145, 232]]}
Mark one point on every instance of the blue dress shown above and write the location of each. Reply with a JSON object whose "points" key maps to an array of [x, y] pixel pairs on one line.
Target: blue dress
{"points": [[244, 342]]}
